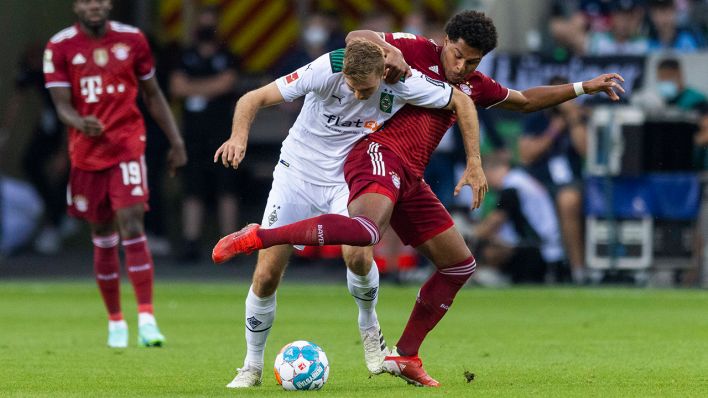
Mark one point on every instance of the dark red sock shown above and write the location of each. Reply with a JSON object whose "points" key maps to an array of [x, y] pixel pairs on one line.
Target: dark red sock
{"points": [[327, 229], [433, 301], [106, 268], [140, 270]]}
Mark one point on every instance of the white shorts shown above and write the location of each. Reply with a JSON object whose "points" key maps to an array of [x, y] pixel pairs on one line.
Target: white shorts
{"points": [[292, 199]]}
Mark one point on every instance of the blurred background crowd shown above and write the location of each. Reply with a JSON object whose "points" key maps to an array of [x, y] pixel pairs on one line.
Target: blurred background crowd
{"points": [[583, 191]]}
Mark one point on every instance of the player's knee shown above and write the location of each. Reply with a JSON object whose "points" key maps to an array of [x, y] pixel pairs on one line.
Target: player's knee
{"points": [[130, 221], [358, 260], [132, 228]]}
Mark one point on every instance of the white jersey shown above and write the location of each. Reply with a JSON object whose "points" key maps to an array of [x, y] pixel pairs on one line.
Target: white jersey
{"points": [[332, 120]]}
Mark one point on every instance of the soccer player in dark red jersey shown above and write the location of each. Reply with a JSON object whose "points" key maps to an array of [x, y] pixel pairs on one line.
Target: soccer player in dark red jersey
{"points": [[94, 70], [384, 172]]}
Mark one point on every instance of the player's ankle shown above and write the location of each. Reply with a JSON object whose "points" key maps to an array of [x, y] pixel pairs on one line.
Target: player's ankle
{"points": [[145, 318]]}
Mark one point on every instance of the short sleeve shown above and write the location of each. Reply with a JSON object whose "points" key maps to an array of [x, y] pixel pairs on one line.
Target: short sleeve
{"points": [[408, 43], [421, 90], [306, 79], [491, 92], [144, 62], [54, 66]]}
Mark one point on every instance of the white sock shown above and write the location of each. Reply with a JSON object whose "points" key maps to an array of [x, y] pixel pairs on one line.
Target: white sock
{"points": [[260, 313], [113, 325], [365, 290], [145, 318]]}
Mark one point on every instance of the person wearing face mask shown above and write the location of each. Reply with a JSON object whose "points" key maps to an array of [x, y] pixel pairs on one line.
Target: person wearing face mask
{"points": [[671, 87], [319, 34], [205, 81]]}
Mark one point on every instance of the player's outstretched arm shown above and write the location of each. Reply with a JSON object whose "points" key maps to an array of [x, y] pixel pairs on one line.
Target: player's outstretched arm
{"points": [[469, 127], [233, 150], [395, 65], [160, 111], [541, 97], [89, 125]]}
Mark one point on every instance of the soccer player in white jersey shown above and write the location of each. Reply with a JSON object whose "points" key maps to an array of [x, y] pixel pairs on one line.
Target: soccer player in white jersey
{"points": [[345, 99]]}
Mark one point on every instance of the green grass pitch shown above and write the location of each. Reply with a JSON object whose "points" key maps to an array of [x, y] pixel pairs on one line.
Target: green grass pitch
{"points": [[608, 342]]}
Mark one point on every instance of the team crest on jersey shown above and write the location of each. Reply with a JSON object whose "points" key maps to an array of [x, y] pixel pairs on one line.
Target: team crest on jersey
{"points": [[386, 102], [100, 56], [120, 51], [465, 88], [395, 179]]}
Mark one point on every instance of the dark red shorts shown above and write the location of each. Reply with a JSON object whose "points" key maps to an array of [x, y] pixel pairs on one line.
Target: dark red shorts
{"points": [[418, 214], [96, 195]]}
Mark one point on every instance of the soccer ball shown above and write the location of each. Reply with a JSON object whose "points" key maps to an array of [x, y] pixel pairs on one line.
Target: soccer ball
{"points": [[301, 365]]}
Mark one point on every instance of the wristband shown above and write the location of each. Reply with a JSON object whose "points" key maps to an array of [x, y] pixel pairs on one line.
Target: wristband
{"points": [[578, 87]]}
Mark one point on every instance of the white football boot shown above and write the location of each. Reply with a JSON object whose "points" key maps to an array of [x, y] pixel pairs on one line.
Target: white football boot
{"points": [[246, 377], [375, 349], [117, 334]]}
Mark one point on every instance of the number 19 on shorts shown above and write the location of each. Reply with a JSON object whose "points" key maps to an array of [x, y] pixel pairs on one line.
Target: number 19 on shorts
{"points": [[132, 173]]}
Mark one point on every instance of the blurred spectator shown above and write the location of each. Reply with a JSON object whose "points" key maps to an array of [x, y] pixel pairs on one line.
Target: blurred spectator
{"points": [[665, 33], [205, 80], [572, 19], [520, 237], [551, 148], [626, 35], [45, 159], [378, 22], [321, 33], [20, 212], [415, 23]]}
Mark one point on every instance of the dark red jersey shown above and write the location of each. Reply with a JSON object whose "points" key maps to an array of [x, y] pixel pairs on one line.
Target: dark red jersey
{"points": [[414, 132], [103, 75]]}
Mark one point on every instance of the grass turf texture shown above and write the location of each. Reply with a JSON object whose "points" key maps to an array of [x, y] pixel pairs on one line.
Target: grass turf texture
{"points": [[517, 342]]}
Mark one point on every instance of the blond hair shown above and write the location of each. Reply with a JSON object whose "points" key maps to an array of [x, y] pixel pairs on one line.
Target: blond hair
{"points": [[362, 58]]}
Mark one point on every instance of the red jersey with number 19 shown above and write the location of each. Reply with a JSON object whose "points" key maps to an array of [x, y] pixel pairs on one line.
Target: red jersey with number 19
{"points": [[102, 74], [414, 132]]}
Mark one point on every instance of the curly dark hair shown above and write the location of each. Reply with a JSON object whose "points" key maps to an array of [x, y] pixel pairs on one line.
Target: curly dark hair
{"points": [[475, 28]]}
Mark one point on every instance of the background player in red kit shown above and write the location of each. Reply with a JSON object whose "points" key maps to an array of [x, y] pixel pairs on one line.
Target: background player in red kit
{"points": [[384, 173], [93, 70]]}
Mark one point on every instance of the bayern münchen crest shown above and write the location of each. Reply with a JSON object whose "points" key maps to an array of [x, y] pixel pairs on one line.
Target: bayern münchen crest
{"points": [[395, 179], [120, 51]]}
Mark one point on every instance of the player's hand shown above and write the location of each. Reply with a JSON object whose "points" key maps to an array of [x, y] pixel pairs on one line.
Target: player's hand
{"points": [[607, 83], [91, 126], [395, 66], [176, 158], [231, 152], [475, 178]]}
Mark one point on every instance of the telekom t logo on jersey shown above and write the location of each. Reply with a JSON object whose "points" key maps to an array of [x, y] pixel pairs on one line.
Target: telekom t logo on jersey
{"points": [[92, 88]]}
